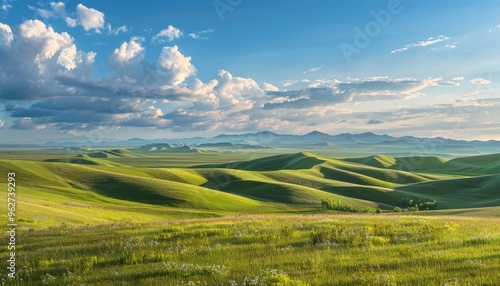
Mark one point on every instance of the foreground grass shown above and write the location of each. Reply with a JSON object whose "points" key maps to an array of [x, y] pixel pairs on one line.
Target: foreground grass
{"points": [[265, 250]]}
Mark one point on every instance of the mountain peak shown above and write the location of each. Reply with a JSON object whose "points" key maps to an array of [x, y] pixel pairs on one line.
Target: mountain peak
{"points": [[265, 133], [316, 132]]}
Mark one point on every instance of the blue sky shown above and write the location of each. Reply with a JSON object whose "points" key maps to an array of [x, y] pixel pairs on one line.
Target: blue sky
{"points": [[169, 69]]}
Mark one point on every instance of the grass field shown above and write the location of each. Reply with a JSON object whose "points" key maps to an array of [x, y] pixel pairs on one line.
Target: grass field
{"points": [[129, 216], [267, 250]]}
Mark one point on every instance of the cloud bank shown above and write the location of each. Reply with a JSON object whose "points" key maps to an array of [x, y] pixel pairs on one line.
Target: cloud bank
{"points": [[46, 82]]}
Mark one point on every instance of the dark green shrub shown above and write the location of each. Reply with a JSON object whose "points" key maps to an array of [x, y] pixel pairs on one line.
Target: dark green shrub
{"points": [[337, 205]]}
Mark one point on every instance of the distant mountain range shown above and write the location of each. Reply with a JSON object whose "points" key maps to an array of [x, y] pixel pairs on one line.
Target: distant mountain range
{"points": [[313, 139]]}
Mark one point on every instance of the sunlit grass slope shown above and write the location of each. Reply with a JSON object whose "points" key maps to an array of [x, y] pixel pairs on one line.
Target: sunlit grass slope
{"points": [[464, 166], [96, 189], [481, 191], [50, 192], [308, 250]]}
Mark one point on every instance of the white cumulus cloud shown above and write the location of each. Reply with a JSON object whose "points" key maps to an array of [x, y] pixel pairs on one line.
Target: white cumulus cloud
{"points": [[90, 18], [45, 40], [71, 22], [126, 60], [175, 67], [45, 54], [127, 52], [67, 57], [6, 36], [269, 87], [170, 32], [58, 8], [236, 93]]}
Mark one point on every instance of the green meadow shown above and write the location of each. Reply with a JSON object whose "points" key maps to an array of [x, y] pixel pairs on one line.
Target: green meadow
{"points": [[207, 217]]}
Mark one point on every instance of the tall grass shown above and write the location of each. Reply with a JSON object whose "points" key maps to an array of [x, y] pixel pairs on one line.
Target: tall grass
{"points": [[361, 249]]}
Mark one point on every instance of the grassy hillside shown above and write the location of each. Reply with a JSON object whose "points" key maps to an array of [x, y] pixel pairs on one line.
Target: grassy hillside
{"points": [[87, 160], [401, 163], [51, 193], [279, 183], [118, 217], [464, 166], [302, 160], [482, 191], [115, 153], [231, 146], [307, 250], [165, 148]]}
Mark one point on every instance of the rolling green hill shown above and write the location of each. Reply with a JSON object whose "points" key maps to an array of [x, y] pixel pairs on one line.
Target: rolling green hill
{"points": [[379, 161], [481, 191], [465, 166], [229, 145], [155, 147], [115, 153], [302, 160], [93, 188], [165, 148], [87, 160]]}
